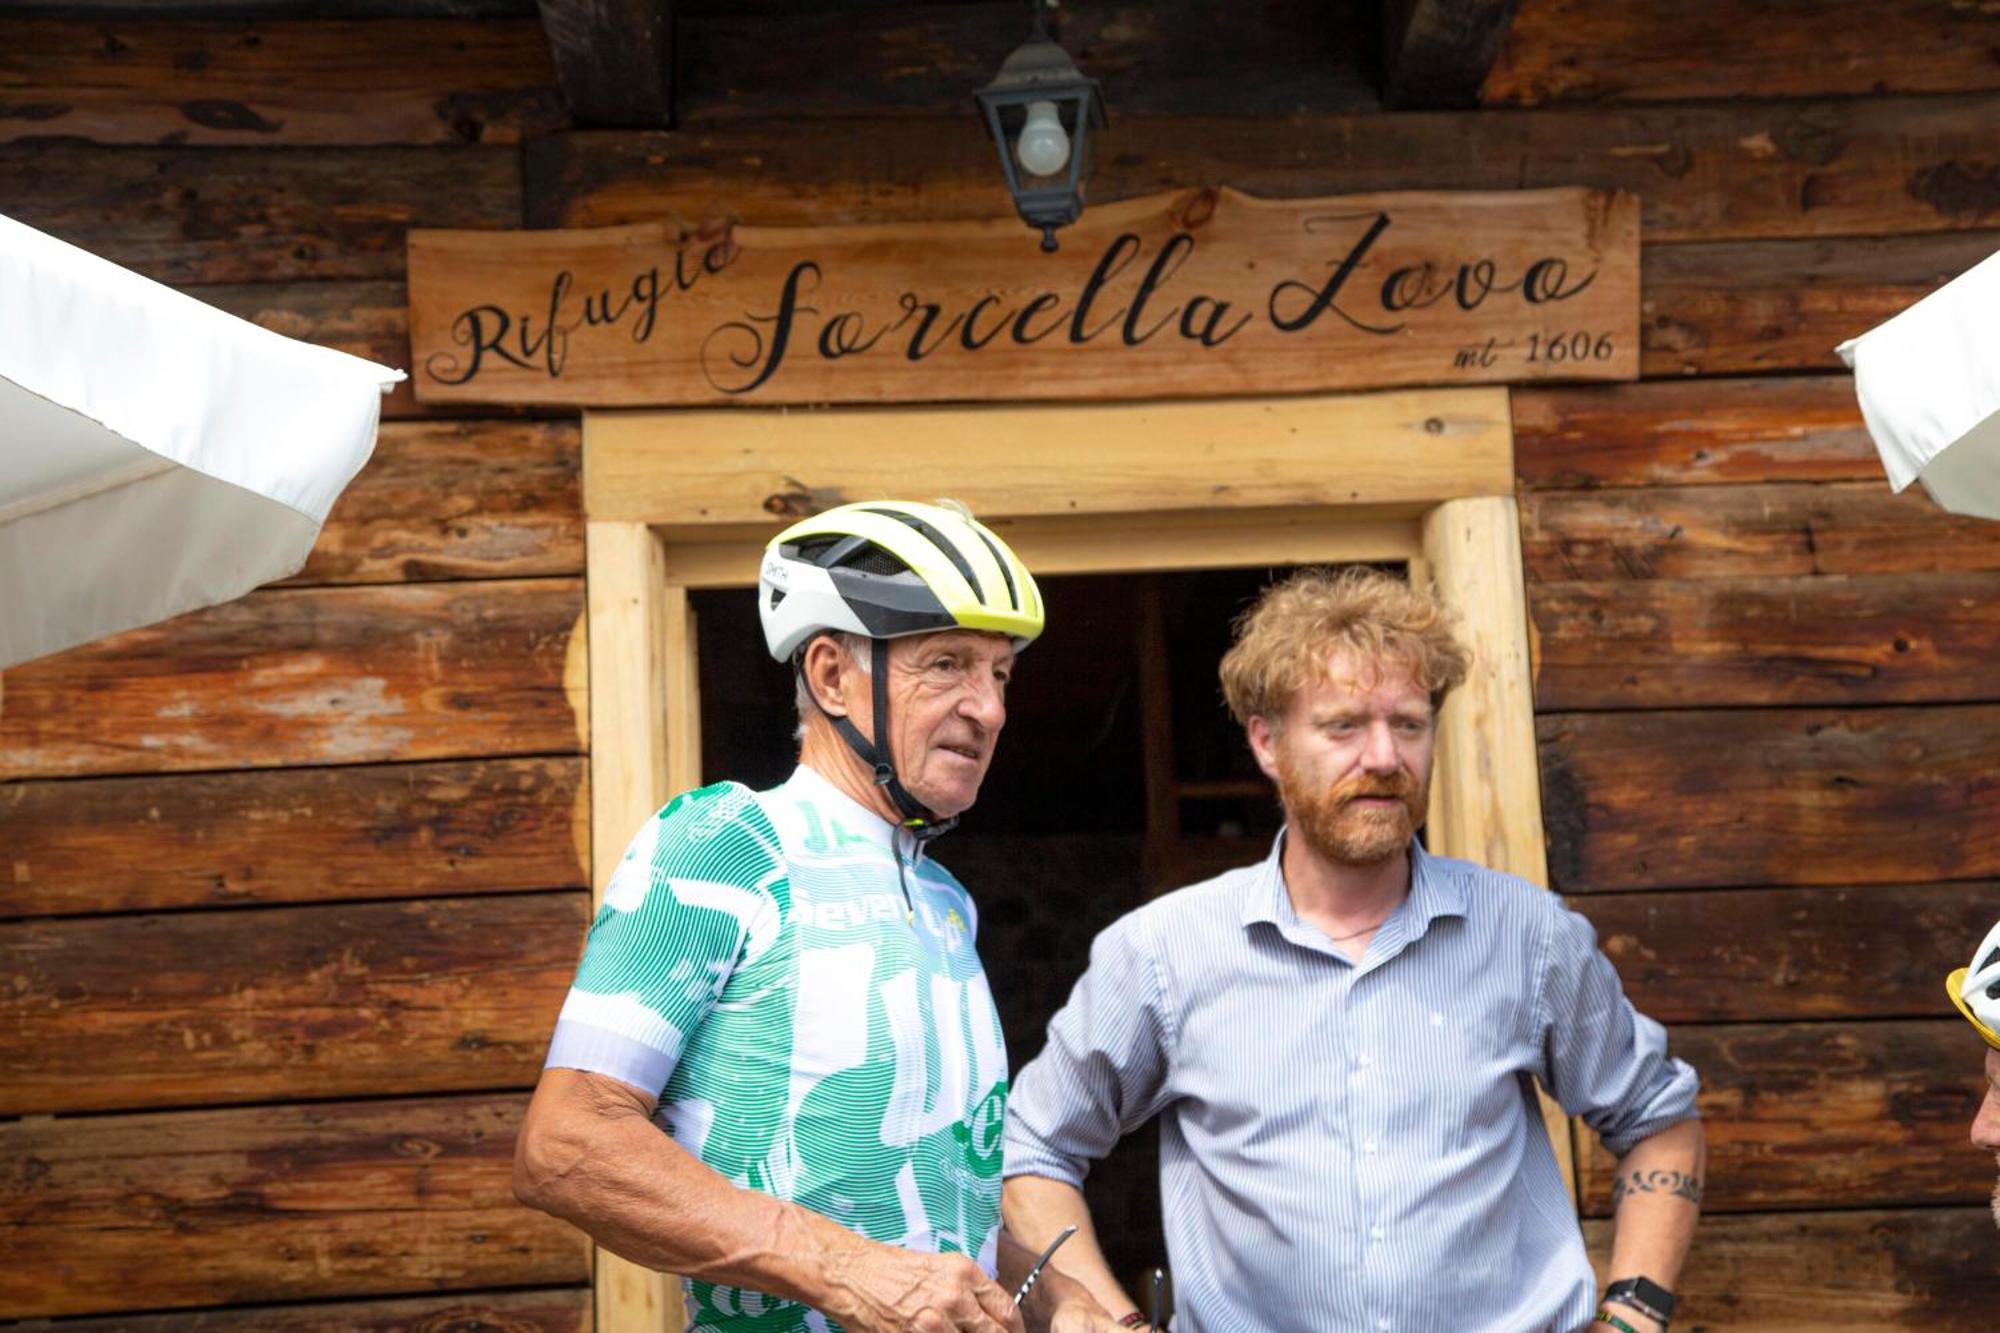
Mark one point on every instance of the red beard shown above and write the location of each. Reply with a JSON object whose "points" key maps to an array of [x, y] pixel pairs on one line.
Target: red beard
{"points": [[1346, 833]]}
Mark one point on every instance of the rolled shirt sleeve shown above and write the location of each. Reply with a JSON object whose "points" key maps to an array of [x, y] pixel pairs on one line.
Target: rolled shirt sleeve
{"points": [[1105, 1068], [1606, 1061]]}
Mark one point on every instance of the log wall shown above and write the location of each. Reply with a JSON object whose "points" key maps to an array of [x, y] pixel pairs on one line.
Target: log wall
{"points": [[293, 885]]}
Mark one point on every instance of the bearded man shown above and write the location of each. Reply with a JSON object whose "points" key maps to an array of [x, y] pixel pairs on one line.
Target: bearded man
{"points": [[1342, 1042]]}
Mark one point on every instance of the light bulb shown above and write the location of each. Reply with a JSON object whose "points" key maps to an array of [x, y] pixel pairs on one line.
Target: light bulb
{"points": [[1042, 148]]}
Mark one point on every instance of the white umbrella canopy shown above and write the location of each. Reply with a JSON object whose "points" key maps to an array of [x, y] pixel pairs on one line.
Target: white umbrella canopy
{"points": [[1929, 384], [156, 454]]}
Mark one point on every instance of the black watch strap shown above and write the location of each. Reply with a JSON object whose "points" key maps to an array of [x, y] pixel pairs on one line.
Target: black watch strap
{"points": [[1643, 1294]]}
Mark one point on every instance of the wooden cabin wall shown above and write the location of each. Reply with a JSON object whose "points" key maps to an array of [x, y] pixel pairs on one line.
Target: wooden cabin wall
{"points": [[293, 886], [290, 890]]}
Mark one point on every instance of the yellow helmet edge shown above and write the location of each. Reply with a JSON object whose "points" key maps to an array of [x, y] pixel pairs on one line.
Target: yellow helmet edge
{"points": [[1953, 984]]}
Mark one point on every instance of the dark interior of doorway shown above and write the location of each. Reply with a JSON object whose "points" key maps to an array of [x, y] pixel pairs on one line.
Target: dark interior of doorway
{"points": [[1119, 774]]}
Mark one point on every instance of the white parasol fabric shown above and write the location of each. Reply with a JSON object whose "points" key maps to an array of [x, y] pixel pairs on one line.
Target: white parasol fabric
{"points": [[156, 454], [1929, 383]]}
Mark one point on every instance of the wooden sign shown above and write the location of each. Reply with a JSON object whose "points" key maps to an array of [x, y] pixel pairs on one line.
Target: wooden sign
{"points": [[1195, 293]]}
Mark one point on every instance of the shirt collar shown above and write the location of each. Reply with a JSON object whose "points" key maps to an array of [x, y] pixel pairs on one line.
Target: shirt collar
{"points": [[857, 820], [1435, 890]]}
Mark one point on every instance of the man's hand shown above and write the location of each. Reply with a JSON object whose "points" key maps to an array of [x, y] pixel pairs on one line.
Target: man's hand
{"points": [[884, 1289], [1083, 1315]]}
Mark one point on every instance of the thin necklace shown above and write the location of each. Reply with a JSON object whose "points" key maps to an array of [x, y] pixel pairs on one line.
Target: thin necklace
{"points": [[1364, 930]]}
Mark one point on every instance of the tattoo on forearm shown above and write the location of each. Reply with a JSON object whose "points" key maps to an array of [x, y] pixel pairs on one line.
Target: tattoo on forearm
{"points": [[1677, 1183]]}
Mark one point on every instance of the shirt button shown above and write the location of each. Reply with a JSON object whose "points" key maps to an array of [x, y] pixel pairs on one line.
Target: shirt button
{"points": [[1364, 1060], [1376, 1231], [1369, 1147], [1382, 1324]]}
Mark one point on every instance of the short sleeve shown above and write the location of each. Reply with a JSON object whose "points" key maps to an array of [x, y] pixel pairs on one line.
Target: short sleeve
{"points": [[693, 896]]}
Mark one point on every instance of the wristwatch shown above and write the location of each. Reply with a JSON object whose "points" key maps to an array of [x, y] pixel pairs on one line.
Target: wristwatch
{"points": [[1646, 1296]]}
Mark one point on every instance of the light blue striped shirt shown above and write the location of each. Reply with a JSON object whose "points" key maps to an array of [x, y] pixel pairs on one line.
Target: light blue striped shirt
{"points": [[1353, 1146]]}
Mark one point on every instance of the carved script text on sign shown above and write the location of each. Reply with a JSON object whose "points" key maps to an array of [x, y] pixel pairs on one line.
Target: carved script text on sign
{"points": [[1205, 292]]}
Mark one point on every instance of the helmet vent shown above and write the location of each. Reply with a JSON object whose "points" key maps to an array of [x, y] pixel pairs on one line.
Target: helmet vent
{"points": [[777, 595]]}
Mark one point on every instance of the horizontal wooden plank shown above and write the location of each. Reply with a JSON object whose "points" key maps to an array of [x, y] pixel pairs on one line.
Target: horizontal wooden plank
{"points": [[1714, 432], [1661, 643], [280, 1203], [1164, 57], [1800, 1115], [225, 215], [1878, 1271], [292, 835], [1654, 50], [1770, 531], [1725, 171], [125, 78], [1757, 306], [310, 676], [713, 469], [548, 1310], [1771, 797], [1738, 955], [462, 499], [336, 1000]]}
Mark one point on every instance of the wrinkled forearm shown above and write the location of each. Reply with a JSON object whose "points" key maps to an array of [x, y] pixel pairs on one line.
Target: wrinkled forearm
{"points": [[1656, 1200], [601, 1164]]}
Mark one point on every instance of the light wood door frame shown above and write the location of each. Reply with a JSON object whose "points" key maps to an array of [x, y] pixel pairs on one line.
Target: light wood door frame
{"points": [[678, 500]]}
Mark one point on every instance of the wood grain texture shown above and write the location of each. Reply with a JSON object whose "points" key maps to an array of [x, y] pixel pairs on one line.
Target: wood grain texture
{"points": [[226, 215], [1771, 797], [549, 1310], [338, 1000], [1657, 50], [1807, 1115], [1715, 432], [745, 469], [1437, 53], [1671, 643], [1780, 530], [185, 840], [1866, 1271], [1175, 57], [614, 59], [454, 500], [279, 1203], [1740, 955], [1757, 306], [307, 676], [1185, 294], [1705, 172], [126, 78]]}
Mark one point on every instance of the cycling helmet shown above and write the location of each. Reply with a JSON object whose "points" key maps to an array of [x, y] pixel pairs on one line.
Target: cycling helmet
{"points": [[1976, 989], [885, 569], [888, 568]]}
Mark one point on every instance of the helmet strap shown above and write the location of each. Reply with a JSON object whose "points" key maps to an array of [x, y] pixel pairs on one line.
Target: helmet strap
{"points": [[917, 817]]}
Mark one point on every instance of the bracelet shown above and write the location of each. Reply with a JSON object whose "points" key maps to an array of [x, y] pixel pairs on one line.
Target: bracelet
{"points": [[1134, 1320], [1606, 1317]]}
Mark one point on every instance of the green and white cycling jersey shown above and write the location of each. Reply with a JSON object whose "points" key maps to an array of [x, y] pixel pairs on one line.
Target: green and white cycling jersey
{"points": [[755, 967]]}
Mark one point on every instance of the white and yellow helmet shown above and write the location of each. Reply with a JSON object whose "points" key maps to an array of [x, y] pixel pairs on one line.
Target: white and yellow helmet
{"points": [[1976, 989], [889, 568]]}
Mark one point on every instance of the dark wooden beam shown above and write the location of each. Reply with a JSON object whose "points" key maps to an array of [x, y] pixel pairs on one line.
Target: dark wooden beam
{"points": [[614, 59], [1435, 53]]}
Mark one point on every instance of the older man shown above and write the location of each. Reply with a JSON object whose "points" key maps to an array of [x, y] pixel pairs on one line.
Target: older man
{"points": [[1342, 1042], [779, 1071], [1976, 992]]}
